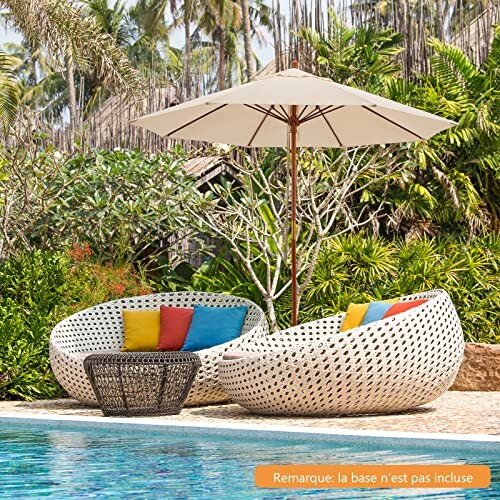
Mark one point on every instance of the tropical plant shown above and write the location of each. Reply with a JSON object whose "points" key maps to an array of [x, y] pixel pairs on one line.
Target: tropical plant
{"points": [[129, 206], [42, 88], [361, 268], [30, 184], [9, 90], [456, 182], [453, 183], [362, 56], [62, 29], [30, 288]]}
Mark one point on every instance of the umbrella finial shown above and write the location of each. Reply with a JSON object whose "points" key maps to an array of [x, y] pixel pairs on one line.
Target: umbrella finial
{"points": [[295, 64]]}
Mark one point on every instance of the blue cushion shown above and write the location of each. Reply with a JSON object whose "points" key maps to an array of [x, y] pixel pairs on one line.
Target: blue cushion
{"points": [[213, 326], [376, 311]]}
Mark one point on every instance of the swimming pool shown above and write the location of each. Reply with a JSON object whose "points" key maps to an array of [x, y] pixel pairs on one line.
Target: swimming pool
{"points": [[39, 461]]}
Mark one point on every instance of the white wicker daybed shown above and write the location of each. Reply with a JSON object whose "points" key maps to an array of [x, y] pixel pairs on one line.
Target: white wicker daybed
{"points": [[100, 329], [390, 365]]}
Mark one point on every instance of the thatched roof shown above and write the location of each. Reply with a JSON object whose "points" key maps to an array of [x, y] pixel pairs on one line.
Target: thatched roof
{"points": [[270, 68], [206, 169]]}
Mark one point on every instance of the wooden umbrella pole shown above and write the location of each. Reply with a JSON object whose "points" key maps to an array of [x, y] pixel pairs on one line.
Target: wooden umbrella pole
{"points": [[293, 146]]}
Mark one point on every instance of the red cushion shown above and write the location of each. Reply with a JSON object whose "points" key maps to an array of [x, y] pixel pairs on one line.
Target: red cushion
{"points": [[400, 307], [174, 326]]}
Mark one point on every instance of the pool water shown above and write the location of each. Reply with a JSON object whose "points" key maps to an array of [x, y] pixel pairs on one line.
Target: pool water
{"points": [[37, 462]]}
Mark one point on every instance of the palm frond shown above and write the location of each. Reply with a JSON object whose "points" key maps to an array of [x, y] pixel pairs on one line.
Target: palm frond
{"points": [[9, 90]]}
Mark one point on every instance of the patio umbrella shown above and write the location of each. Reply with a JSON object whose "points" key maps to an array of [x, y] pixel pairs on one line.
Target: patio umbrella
{"points": [[293, 108]]}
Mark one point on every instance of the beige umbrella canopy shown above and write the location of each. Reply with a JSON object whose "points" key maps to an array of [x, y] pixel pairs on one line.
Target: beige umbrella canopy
{"points": [[294, 108]]}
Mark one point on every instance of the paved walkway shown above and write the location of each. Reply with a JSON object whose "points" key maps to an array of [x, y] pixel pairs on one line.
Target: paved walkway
{"points": [[454, 412]]}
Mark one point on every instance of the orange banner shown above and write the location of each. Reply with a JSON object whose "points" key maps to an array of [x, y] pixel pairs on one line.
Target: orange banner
{"points": [[372, 476]]}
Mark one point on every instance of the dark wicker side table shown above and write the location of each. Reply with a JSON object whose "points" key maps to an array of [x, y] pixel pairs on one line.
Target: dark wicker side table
{"points": [[141, 383]]}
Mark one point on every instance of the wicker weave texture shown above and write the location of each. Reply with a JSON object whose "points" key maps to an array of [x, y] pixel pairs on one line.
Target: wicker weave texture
{"points": [[141, 383], [387, 366], [99, 329]]}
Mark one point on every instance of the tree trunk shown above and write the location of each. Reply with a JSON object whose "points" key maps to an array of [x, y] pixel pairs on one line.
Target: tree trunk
{"points": [[187, 50], [70, 81], [222, 58], [247, 38], [439, 20], [271, 313]]}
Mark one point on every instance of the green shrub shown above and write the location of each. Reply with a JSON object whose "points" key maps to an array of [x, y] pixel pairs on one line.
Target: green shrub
{"points": [[129, 206], [31, 287], [37, 290], [360, 268]]}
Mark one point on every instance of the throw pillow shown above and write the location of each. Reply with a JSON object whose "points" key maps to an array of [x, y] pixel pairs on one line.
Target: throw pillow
{"points": [[141, 330], [376, 311], [174, 326], [403, 306], [356, 314], [213, 326]]}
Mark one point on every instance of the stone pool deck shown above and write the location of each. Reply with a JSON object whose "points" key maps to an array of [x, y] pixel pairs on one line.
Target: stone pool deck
{"points": [[454, 413]]}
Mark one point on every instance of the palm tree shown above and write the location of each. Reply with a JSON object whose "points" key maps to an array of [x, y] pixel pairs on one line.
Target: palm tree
{"points": [[151, 36], [247, 37], [41, 87], [190, 10], [113, 19], [67, 34], [216, 16]]}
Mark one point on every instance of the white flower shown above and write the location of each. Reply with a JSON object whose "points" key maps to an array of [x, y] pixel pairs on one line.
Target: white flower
{"points": [[222, 147]]}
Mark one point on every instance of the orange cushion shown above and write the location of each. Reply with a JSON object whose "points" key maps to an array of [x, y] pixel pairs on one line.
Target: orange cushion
{"points": [[174, 326], [400, 307]]}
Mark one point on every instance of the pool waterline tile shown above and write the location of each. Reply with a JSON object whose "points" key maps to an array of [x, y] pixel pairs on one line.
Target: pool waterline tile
{"points": [[441, 441]]}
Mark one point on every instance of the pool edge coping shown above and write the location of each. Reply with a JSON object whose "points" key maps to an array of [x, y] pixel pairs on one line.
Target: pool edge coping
{"points": [[443, 441]]}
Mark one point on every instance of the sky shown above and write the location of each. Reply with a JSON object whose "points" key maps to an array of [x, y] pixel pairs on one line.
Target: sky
{"points": [[265, 54]]}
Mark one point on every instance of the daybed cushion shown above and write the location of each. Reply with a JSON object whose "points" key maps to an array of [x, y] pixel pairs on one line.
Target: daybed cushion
{"points": [[403, 306], [356, 313], [141, 330], [213, 326], [375, 311], [174, 326]]}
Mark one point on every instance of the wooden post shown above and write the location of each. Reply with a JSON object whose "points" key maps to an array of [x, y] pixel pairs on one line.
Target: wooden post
{"points": [[293, 146]]}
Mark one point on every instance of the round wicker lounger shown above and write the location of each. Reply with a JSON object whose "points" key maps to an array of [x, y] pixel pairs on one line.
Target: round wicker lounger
{"points": [[100, 329], [387, 366]]}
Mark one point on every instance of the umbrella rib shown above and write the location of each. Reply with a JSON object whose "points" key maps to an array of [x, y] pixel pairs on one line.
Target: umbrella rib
{"points": [[266, 112], [330, 126], [285, 114], [260, 125], [392, 122], [195, 120], [314, 114], [302, 112]]}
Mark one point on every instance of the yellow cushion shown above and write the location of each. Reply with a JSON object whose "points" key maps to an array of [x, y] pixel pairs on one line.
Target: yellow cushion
{"points": [[141, 330], [356, 313]]}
